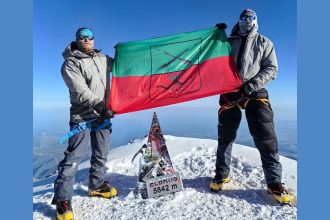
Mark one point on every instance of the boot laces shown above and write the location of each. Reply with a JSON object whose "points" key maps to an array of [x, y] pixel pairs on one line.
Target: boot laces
{"points": [[66, 205], [282, 189], [63, 206], [105, 187]]}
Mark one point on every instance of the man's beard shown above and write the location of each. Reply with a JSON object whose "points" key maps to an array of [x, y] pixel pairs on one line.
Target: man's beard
{"points": [[88, 49]]}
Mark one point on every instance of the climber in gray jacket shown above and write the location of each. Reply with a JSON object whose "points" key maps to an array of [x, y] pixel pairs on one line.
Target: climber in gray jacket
{"points": [[86, 72], [256, 62]]}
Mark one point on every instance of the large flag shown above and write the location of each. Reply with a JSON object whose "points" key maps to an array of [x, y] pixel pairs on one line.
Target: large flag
{"points": [[172, 69]]}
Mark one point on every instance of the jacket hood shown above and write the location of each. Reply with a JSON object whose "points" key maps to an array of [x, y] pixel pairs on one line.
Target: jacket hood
{"points": [[72, 51]]}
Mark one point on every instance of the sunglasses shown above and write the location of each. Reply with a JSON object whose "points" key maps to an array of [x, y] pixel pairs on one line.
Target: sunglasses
{"points": [[245, 18], [83, 37]]}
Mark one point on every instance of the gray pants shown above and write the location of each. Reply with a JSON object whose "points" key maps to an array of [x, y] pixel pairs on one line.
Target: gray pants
{"points": [[76, 151], [261, 126]]}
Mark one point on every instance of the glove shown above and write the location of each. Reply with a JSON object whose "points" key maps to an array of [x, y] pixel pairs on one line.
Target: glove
{"points": [[107, 114], [103, 111], [221, 25], [247, 89]]}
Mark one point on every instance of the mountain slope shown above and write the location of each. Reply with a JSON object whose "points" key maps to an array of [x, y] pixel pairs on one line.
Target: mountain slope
{"points": [[244, 198]]}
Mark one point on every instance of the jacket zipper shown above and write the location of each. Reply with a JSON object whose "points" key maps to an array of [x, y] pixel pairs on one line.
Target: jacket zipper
{"points": [[98, 70], [243, 52]]}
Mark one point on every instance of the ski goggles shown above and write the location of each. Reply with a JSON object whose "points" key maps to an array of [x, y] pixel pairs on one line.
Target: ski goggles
{"points": [[83, 37], [250, 17], [85, 34]]}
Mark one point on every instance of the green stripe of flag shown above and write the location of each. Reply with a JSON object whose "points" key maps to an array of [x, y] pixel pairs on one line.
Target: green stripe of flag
{"points": [[170, 53]]}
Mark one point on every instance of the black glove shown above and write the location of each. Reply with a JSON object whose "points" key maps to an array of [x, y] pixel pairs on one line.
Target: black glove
{"points": [[246, 89], [221, 25], [103, 111], [107, 114]]}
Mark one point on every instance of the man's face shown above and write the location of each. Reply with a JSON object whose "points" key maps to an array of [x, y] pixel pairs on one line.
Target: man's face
{"points": [[248, 18], [85, 41]]}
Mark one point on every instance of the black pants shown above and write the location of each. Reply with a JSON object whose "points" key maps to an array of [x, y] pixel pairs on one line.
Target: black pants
{"points": [[259, 116]]}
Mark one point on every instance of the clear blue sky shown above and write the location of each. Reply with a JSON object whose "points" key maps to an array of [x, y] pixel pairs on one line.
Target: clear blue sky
{"points": [[55, 23]]}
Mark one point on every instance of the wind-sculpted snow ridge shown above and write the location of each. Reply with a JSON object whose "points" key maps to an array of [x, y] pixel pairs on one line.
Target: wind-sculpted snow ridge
{"points": [[245, 196]]}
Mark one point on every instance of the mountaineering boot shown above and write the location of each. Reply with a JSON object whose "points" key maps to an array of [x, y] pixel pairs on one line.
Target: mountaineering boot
{"points": [[105, 191], [64, 210], [279, 192], [218, 182]]}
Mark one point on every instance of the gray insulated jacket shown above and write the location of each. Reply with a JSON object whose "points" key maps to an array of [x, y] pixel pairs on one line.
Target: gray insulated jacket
{"points": [[258, 58], [87, 77]]}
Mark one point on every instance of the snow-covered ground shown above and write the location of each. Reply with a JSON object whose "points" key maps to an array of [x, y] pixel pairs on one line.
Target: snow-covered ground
{"points": [[245, 196]]}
